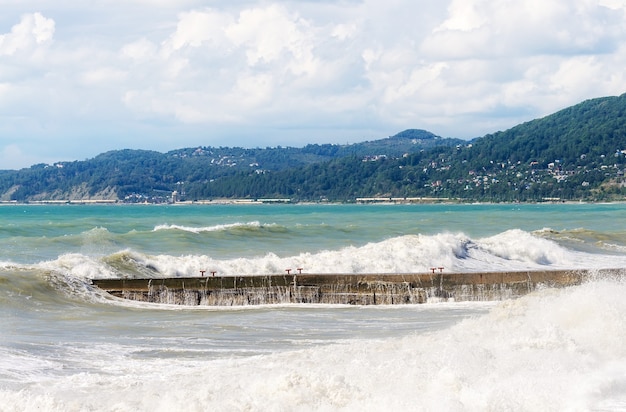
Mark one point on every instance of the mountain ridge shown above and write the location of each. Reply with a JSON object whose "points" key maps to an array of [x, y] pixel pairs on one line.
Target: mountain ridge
{"points": [[576, 153]]}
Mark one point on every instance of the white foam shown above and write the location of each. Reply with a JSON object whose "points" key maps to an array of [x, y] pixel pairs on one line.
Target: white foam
{"points": [[553, 350], [511, 250], [520, 246], [455, 252], [215, 228], [80, 266]]}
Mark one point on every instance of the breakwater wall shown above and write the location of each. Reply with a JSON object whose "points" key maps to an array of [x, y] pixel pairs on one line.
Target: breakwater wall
{"points": [[358, 289]]}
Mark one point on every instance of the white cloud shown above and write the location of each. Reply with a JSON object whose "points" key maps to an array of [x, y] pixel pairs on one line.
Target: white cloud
{"points": [[198, 28], [103, 75], [253, 90], [613, 4], [273, 33], [32, 30], [216, 64], [43, 28], [161, 69], [141, 50], [463, 16], [482, 28], [344, 31]]}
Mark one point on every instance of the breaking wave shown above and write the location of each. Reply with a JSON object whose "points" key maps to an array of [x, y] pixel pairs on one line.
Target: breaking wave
{"points": [[216, 228], [455, 252]]}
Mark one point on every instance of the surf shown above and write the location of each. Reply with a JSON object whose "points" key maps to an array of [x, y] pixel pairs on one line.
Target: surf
{"points": [[556, 349]]}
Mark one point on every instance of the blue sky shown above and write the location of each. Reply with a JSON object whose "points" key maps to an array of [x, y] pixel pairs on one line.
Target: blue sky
{"points": [[80, 78]]}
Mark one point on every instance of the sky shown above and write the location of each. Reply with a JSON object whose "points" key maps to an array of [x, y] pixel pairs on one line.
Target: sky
{"points": [[79, 78]]}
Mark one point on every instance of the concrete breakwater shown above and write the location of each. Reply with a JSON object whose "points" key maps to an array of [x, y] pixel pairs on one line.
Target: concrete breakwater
{"points": [[358, 289]]}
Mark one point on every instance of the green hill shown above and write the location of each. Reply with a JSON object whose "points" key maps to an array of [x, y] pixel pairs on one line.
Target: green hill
{"points": [[575, 154], [592, 128]]}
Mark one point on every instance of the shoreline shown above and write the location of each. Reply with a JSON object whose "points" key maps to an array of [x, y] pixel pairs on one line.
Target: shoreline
{"points": [[250, 202]]}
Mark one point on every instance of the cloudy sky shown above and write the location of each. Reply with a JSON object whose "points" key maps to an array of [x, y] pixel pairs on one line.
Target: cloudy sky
{"points": [[78, 78]]}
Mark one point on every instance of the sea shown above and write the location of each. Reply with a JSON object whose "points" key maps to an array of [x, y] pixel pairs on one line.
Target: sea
{"points": [[67, 346]]}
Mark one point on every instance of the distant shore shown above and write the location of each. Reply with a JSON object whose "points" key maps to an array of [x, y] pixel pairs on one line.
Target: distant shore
{"points": [[359, 201]]}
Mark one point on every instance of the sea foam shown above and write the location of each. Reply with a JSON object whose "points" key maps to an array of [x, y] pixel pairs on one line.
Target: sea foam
{"points": [[551, 350], [215, 228], [453, 252]]}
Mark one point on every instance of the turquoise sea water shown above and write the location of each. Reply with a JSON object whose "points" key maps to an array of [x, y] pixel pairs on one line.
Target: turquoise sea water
{"points": [[65, 346], [31, 234]]}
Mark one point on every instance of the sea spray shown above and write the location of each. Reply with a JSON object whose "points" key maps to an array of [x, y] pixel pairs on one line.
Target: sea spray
{"points": [[63, 347], [542, 351], [508, 251]]}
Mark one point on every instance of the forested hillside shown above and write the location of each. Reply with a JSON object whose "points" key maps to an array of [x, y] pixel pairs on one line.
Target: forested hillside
{"points": [[575, 154], [141, 175]]}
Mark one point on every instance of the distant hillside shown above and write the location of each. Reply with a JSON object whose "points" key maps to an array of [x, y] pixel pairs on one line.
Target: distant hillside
{"points": [[575, 154], [281, 158], [407, 141], [142, 175], [590, 129]]}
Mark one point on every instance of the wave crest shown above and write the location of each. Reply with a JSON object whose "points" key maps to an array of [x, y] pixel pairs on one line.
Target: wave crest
{"points": [[455, 252], [248, 226]]}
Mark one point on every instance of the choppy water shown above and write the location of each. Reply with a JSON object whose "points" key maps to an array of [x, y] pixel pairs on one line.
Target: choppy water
{"points": [[65, 346]]}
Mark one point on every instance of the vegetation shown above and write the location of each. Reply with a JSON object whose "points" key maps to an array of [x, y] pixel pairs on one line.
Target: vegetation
{"points": [[576, 154]]}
